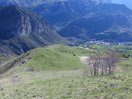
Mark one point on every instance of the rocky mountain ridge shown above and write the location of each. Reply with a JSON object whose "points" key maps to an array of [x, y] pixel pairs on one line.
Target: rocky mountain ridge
{"points": [[22, 30]]}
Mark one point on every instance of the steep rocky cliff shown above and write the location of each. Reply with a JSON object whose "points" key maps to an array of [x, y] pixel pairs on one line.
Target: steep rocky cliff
{"points": [[22, 30]]}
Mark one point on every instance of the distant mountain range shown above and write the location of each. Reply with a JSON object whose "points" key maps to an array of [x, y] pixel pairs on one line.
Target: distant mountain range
{"points": [[78, 21], [31, 3], [24, 3], [60, 12], [86, 20], [107, 22]]}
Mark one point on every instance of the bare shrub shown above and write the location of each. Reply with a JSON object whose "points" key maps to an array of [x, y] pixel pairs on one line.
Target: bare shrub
{"points": [[102, 65]]}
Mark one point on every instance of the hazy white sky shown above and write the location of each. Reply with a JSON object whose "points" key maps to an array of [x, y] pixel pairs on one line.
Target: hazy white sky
{"points": [[126, 2]]}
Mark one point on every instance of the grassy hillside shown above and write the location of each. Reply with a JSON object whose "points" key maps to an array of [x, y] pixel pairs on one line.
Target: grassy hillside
{"points": [[58, 74], [69, 84], [57, 57]]}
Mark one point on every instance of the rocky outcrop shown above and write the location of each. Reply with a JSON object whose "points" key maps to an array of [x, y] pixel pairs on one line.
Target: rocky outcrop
{"points": [[22, 30]]}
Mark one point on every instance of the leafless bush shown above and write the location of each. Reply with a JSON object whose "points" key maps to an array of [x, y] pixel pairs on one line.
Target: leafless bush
{"points": [[102, 65]]}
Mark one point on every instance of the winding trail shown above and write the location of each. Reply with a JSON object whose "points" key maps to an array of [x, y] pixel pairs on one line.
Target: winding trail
{"points": [[84, 59]]}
